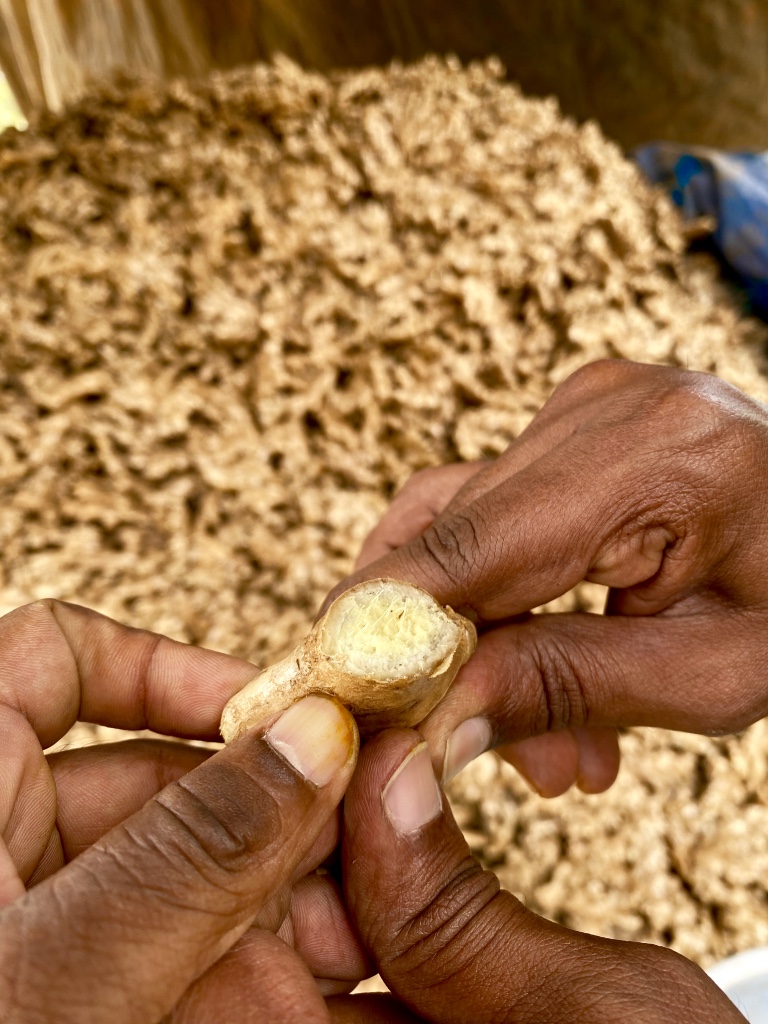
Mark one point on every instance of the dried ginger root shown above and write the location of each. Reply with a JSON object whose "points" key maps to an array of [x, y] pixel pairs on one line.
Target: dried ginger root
{"points": [[386, 649]]}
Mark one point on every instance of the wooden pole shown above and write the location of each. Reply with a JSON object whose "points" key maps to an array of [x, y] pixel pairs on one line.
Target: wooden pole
{"points": [[50, 48]]}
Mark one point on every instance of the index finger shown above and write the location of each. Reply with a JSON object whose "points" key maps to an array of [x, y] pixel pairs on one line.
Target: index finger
{"points": [[521, 544], [60, 663], [608, 504]]}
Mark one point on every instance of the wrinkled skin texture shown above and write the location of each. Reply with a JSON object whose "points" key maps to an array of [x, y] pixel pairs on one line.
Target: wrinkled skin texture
{"points": [[148, 879]]}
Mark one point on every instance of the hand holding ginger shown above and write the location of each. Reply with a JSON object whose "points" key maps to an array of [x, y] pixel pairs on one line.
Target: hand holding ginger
{"points": [[147, 880], [654, 482], [650, 480]]}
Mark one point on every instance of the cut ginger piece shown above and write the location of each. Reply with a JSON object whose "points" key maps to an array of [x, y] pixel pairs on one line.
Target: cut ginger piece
{"points": [[386, 649]]}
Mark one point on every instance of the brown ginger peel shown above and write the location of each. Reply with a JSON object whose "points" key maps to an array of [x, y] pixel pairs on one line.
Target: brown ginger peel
{"points": [[386, 649]]}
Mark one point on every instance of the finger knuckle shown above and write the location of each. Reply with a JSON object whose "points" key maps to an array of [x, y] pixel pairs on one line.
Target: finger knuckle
{"points": [[451, 931], [599, 375], [219, 820], [452, 546], [700, 402], [555, 672], [718, 430]]}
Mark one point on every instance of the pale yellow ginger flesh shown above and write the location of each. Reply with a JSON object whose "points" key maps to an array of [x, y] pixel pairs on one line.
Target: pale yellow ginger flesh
{"points": [[386, 649], [388, 632]]}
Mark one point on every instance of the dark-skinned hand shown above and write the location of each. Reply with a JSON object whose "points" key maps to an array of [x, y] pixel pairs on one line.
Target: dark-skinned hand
{"points": [[147, 879], [451, 947], [653, 482], [650, 480], [455, 949]]}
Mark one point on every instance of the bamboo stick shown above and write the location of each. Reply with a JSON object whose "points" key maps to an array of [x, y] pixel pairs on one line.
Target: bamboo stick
{"points": [[50, 48]]}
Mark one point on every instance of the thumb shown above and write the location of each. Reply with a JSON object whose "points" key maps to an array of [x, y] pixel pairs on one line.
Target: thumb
{"points": [[455, 948], [121, 933]]}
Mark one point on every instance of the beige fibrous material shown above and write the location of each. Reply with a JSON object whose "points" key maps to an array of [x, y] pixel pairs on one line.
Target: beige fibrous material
{"points": [[386, 649], [237, 315]]}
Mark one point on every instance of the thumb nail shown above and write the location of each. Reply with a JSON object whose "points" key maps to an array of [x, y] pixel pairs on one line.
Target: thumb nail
{"points": [[412, 796], [317, 736], [468, 741]]}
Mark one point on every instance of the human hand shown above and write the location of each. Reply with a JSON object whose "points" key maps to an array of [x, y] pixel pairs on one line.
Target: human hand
{"points": [[454, 949], [145, 878], [551, 763], [649, 480]]}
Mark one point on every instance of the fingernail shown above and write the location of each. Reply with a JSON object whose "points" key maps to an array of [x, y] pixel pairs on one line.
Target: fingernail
{"points": [[316, 736], [412, 796], [468, 741]]}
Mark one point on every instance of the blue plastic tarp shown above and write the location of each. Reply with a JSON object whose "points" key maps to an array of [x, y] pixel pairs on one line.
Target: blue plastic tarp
{"points": [[732, 188]]}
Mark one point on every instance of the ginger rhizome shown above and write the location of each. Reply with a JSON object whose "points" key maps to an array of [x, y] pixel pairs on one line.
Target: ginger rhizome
{"points": [[386, 649]]}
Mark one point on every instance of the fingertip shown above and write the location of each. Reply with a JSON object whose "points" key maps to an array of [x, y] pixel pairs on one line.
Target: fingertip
{"points": [[599, 759], [189, 687], [548, 763]]}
